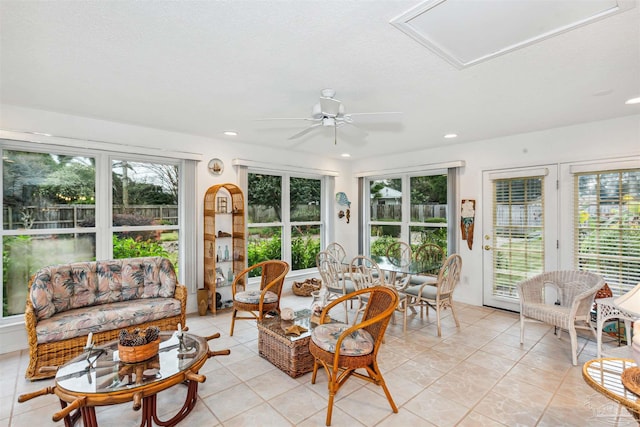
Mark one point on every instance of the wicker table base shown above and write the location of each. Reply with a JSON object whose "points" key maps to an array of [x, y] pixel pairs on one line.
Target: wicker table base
{"points": [[289, 353]]}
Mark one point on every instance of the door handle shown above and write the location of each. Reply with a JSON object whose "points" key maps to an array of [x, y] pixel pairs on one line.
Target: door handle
{"points": [[487, 248]]}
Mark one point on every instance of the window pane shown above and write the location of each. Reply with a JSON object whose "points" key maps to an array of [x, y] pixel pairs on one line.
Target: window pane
{"points": [[305, 245], [45, 191], [386, 199], [436, 234], [429, 198], [144, 193], [382, 236], [264, 243], [264, 198], [146, 243], [608, 237], [305, 196], [24, 255]]}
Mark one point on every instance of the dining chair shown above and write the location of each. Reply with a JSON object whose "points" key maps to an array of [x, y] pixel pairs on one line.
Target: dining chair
{"points": [[366, 273], [400, 254], [334, 278], [440, 296], [428, 254], [263, 298], [342, 349], [337, 251]]}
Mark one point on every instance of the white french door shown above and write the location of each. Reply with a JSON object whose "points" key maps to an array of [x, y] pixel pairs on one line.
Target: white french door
{"points": [[519, 230]]}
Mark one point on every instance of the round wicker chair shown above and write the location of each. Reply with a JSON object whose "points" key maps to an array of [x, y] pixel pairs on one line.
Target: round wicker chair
{"points": [[341, 354]]}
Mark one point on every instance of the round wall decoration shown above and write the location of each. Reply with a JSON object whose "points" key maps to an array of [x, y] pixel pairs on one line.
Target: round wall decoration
{"points": [[215, 166]]}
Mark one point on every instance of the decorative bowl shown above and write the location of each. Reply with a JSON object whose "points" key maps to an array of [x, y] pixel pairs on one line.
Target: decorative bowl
{"points": [[138, 353]]}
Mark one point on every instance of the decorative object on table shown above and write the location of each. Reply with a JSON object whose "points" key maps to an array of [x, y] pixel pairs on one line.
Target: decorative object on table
{"points": [[215, 166], [467, 218], [319, 302], [287, 314], [223, 234], [138, 345], [222, 204], [304, 289], [630, 303], [295, 330], [343, 200], [604, 292]]}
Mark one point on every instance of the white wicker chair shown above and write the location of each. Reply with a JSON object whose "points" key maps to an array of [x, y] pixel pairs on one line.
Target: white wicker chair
{"points": [[572, 294]]}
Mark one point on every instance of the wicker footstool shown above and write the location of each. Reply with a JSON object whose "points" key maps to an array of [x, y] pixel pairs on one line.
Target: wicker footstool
{"points": [[289, 353]]}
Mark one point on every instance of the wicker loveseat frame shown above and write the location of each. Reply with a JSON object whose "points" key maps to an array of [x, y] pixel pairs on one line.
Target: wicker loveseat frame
{"points": [[67, 302]]}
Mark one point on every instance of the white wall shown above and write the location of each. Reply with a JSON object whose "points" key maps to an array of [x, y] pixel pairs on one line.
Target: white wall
{"points": [[591, 141]]}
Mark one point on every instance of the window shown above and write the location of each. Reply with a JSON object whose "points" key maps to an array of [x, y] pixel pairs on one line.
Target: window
{"points": [[420, 218], [607, 226], [58, 207], [284, 219]]}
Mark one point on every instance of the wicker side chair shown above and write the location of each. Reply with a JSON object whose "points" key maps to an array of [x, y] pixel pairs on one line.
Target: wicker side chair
{"points": [[342, 349], [440, 296], [337, 251], [571, 294], [365, 273], [262, 300], [334, 278]]}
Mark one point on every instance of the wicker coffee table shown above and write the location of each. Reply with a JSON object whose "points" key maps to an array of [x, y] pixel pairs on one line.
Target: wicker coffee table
{"points": [[289, 353]]}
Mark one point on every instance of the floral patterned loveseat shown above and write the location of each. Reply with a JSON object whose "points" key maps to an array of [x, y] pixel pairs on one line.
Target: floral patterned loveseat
{"points": [[66, 302]]}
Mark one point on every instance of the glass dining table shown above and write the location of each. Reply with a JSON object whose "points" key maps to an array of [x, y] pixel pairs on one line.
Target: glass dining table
{"points": [[395, 266]]}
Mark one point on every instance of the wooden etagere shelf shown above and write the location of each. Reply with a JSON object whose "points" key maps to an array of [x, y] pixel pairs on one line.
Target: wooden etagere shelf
{"points": [[224, 238]]}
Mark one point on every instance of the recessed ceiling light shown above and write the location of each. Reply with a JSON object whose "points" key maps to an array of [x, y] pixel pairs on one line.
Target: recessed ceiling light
{"points": [[345, 155], [633, 101], [231, 133], [451, 135]]}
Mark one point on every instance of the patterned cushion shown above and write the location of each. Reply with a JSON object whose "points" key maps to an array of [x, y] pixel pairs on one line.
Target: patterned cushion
{"points": [[105, 317], [253, 297], [358, 343], [64, 287]]}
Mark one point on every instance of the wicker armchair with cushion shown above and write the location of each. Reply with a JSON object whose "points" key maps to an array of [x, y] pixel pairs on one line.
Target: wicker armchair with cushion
{"points": [[263, 299], [562, 299], [342, 349]]}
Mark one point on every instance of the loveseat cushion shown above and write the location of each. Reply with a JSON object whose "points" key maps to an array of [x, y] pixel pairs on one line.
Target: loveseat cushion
{"points": [[105, 317], [59, 288]]}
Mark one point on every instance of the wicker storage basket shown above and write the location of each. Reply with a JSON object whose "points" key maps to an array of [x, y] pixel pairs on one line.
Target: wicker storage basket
{"points": [[291, 357], [304, 289], [138, 353]]}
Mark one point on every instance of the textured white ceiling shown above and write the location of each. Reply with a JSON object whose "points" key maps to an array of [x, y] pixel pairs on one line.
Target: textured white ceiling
{"points": [[203, 67]]}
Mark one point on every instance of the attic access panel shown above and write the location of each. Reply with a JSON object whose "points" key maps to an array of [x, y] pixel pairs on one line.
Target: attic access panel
{"points": [[467, 32]]}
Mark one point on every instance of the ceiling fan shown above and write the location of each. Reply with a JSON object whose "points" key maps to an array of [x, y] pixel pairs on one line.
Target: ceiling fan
{"points": [[330, 112]]}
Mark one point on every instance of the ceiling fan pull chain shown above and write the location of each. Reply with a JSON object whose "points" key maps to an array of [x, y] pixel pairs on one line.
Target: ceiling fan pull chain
{"points": [[335, 134]]}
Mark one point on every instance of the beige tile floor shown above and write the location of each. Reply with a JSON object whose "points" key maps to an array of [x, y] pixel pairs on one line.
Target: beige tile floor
{"points": [[478, 375]]}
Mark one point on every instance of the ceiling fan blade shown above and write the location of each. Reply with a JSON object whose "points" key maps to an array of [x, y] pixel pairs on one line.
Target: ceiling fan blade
{"points": [[305, 131], [309, 119], [371, 117], [330, 106], [352, 131]]}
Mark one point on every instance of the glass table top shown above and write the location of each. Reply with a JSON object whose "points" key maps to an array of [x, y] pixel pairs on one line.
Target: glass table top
{"points": [[101, 371]]}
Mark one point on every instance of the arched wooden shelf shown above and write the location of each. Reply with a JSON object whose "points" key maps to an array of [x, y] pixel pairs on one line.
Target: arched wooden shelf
{"points": [[224, 237]]}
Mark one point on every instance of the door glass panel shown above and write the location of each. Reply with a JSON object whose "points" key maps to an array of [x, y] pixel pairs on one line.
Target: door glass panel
{"points": [[518, 251]]}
